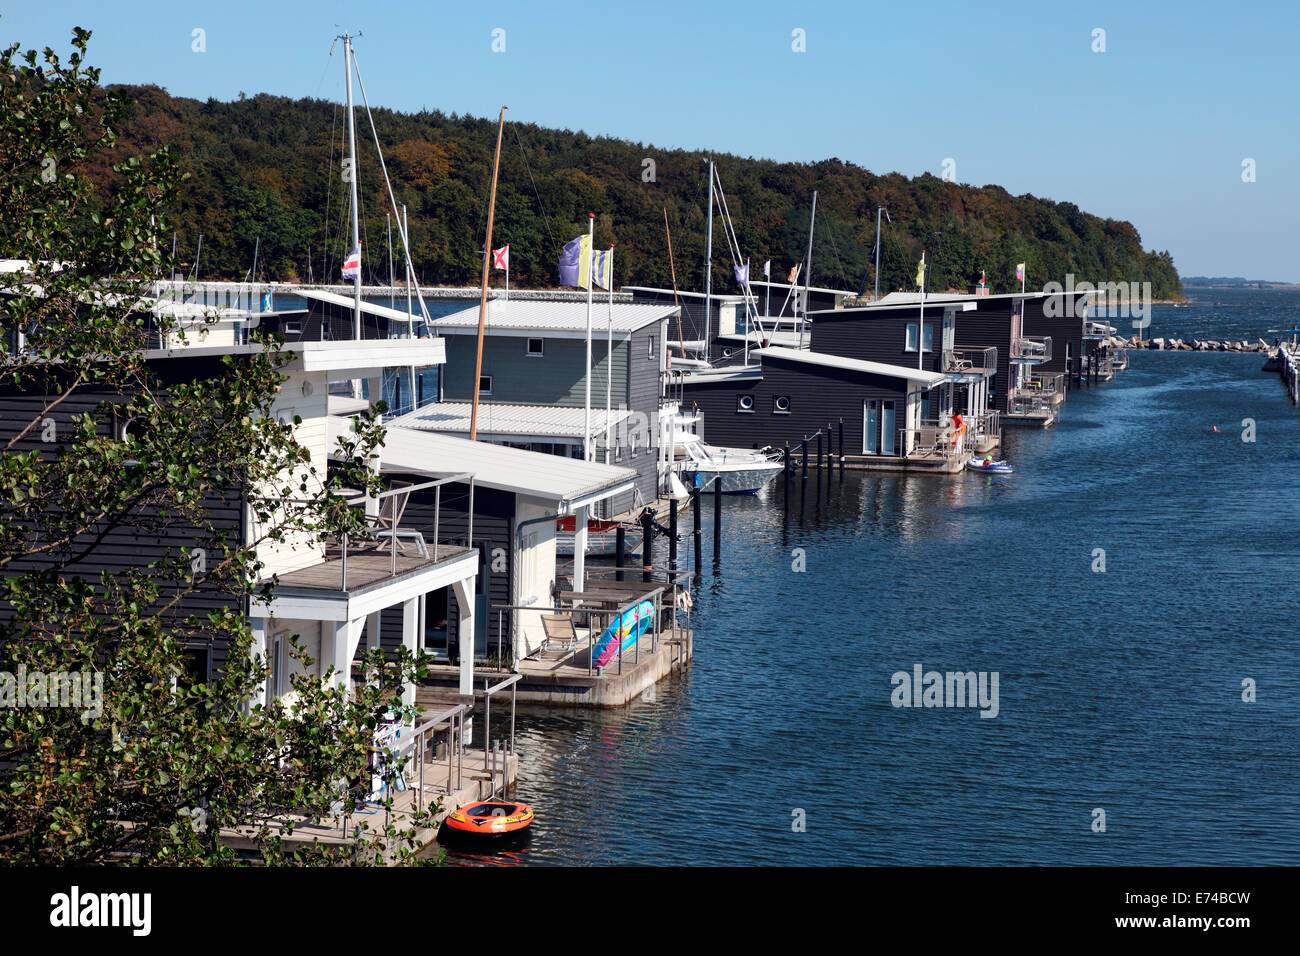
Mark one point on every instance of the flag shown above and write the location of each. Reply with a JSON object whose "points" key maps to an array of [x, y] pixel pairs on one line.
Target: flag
{"points": [[501, 257], [1020, 272], [575, 263], [602, 268], [742, 274], [793, 272], [983, 282], [352, 264], [767, 269], [920, 272]]}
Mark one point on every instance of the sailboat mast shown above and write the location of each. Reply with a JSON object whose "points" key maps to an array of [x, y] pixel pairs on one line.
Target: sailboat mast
{"points": [[876, 298], [487, 261], [807, 276], [708, 269], [352, 180]]}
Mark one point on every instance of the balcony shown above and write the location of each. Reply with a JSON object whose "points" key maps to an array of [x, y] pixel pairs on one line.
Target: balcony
{"points": [[1049, 386], [973, 362], [1028, 409], [1032, 348]]}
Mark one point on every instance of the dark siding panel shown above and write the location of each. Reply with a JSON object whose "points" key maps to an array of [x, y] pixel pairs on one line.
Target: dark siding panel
{"points": [[494, 513], [818, 396]]}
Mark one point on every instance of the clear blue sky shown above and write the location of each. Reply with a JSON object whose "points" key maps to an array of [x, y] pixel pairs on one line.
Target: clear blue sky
{"points": [[1154, 130]]}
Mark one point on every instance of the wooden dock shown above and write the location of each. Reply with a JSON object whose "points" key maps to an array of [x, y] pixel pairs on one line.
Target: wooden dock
{"points": [[568, 681]]}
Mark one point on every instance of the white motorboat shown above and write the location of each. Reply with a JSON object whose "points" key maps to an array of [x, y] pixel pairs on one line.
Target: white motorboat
{"points": [[740, 471]]}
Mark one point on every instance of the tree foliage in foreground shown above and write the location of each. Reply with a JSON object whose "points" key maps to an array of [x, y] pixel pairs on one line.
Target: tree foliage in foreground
{"points": [[169, 762]]}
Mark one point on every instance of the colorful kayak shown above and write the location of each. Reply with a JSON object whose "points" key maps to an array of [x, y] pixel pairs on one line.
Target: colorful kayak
{"points": [[622, 633], [988, 464]]}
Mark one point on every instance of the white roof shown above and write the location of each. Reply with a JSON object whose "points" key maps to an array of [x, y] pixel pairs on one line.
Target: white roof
{"points": [[787, 339], [856, 365], [565, 481], [912, 298], [542, 421], [721, 296], [532, 315], [799, 285], [369, 308]]}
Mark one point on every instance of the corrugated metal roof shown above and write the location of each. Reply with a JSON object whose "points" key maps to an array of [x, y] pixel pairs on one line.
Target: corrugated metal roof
{"points": [[855, 365], [543, 421], [550, 477], [538, 316]]}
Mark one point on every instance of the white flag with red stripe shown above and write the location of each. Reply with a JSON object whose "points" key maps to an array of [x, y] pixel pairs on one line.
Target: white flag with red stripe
{"points": [[352, 264], [501, 257]]}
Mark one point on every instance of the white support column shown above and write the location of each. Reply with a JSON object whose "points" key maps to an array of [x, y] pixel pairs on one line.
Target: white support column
{"points": [[580, 549], [258, 624], [343, 647], [464, 591], [410, 621]]}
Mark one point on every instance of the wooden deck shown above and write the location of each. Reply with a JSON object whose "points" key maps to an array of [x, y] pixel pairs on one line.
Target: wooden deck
{"points": [[471, 779], [365, 568], [555, 680]]}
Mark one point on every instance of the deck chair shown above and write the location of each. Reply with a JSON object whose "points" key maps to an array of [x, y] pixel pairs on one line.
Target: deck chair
{"points": [[387, 524], [561, 635]]}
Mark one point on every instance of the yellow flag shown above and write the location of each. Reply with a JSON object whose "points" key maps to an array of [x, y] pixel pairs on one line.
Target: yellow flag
{"points": [[920, 273]]}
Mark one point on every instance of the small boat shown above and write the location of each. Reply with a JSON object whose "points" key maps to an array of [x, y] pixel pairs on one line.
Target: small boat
{"points": [[739, 471], [988, 464], [487, 819]]}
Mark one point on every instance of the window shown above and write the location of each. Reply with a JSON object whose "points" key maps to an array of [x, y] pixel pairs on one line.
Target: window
{"points": [[911, 337], [650, 348], [745, 404], [781, 405], [485, 385], [535, 347]]}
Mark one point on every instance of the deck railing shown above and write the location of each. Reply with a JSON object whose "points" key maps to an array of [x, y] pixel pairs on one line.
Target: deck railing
{"points": [[374, 538], [1032, 348], [974, 361], [1029, 406], [1043, 385]]}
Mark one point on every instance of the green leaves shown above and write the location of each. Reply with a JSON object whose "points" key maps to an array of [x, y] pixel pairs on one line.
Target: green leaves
{"points": [[100, 454]]}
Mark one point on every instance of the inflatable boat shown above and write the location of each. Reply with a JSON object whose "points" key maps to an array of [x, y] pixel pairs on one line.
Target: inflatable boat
{"points": [[486, 819], [988, 464]]}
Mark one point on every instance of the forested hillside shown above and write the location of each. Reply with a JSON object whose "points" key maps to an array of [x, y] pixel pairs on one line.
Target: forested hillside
{"points": [[269, 168]]}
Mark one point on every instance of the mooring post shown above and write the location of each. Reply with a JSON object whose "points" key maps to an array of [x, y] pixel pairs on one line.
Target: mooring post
{"points": [[803, 459], [841, 443], [820, 468], [419, 389], [647, 543], [620, 551], [672, 535], [785, 475], [695, 522], [717, 519]]}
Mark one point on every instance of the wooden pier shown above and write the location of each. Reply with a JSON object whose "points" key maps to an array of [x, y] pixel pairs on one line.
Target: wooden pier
{"points": [[570, 682]]}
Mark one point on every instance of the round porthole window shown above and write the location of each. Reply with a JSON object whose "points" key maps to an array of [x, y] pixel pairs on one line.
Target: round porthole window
{"points": [[726, 353], [745, 403], [782, 403]]}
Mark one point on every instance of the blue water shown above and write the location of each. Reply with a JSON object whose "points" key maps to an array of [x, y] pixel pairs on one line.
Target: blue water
{"points": [[1119, 690]]}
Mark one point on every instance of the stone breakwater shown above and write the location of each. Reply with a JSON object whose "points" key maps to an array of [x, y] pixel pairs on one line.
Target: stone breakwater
{"points": [[1195, 345]]}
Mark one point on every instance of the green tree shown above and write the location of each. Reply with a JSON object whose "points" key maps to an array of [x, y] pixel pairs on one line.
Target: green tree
{"points": [[162, 766]]}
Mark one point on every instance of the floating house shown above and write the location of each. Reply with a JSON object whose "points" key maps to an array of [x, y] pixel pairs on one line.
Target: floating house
{"points": [[793, 393], [534, 364]]}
